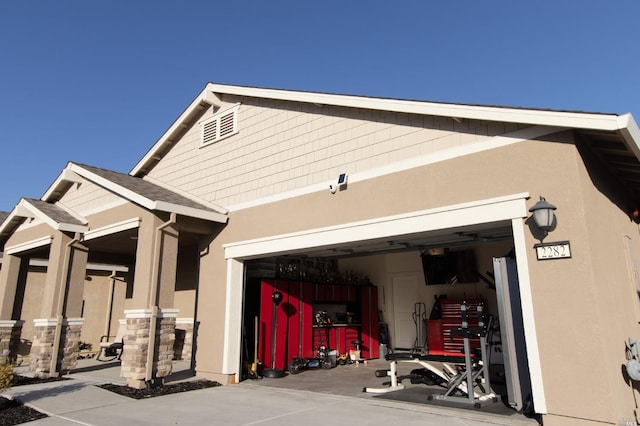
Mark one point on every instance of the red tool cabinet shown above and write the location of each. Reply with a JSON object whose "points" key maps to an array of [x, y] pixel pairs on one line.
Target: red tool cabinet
{"points": [[295, 335]]}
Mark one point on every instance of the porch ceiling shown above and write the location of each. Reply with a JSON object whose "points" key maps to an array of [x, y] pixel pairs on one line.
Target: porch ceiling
{"points": [[612, 151]]}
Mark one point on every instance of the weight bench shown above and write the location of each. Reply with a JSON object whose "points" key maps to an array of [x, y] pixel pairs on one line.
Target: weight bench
{"points": [[445, 375], [466, 372]]}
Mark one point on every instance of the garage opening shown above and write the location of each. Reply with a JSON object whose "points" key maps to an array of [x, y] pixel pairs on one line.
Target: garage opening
{"points": [[349, 305], [379, 284]]}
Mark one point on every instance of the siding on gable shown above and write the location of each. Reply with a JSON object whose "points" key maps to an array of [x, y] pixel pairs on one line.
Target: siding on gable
{"points": [[283, 146], [88, 198]]}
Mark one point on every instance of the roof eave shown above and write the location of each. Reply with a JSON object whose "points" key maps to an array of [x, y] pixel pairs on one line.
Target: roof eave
{"points": [[577, 120], [206, 98], [630, 133], [474, 112], [190, 212]]}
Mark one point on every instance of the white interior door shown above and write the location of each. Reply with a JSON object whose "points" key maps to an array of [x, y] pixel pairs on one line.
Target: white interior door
{"points": [[404, 299]]}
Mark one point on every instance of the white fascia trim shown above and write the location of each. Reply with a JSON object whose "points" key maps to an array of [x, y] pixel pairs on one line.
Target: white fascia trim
{"points": [[29, 245], [491, 143], [206, 97], [90, 266], [528, 319], [114, 228], [578, 120], [189, 211], [630, 132], [58, 226], [65, 176], [17, 212], [105, 183], [471, 213]]}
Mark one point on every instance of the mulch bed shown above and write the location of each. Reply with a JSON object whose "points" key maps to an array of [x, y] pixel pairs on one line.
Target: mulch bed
{"points": [[14, 413], [160, 390]]}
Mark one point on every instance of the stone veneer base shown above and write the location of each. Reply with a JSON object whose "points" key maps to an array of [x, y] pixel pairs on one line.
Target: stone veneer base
{"points": [[136, 345]]}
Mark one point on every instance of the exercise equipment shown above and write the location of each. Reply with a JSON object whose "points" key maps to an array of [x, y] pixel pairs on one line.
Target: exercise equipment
{"points": [[465, 373], [322, 361], [273, 372], [420, 321]]}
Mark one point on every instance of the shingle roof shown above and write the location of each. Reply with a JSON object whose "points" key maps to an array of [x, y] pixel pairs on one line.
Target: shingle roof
{"points": [[145, 188], [56, 213]]}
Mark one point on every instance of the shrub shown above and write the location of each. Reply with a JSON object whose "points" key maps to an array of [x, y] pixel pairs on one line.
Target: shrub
{"points": [[6, 375]]}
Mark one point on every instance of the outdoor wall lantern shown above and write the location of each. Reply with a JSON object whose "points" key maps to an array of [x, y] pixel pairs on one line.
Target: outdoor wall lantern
{"points": [[543, 215]]}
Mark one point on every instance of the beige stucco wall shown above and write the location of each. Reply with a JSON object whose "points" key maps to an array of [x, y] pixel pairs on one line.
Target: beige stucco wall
{"points": [[97, 307], [572, 306]]}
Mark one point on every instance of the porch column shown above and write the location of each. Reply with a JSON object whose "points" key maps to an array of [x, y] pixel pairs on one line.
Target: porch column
{"points": [[56, 344], [10, 331], [9, 277], [135, 353], [148, 348], [183, 347], [11, 298]]}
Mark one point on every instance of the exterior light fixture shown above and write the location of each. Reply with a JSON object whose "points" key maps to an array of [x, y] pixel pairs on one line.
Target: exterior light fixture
{"points": [[543, 214]]}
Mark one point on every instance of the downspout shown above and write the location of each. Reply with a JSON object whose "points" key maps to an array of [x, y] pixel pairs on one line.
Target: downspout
{"points": [[62, 295], [153, 300]]}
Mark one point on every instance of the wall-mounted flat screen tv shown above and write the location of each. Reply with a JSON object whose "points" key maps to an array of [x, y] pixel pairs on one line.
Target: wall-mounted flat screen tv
{"points": [[449, 267]]}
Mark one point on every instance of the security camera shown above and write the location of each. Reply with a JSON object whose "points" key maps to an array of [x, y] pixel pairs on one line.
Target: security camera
{"points": [[333, 188]]}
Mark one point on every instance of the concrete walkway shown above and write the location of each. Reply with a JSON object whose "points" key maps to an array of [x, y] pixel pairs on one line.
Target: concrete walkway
{"points": [[79, 401]]}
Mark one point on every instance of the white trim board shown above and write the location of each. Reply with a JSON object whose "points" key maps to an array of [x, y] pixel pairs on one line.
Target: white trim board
{"points": [[29, 245], [113, 228], [472, 213], [581, 120]]}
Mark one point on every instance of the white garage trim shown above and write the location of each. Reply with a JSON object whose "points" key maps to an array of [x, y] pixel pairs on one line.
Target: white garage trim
{"points": [[233, 318], [526, 300], [483, 211]]}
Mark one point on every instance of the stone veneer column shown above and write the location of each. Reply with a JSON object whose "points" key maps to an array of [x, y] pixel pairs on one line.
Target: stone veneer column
{"points": [[10, 331], [184, 352], [136, 345], [42, 346]]}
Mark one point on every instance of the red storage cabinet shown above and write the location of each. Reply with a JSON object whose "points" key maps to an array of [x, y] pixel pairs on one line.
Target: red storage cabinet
{"points": [[296, 334]]}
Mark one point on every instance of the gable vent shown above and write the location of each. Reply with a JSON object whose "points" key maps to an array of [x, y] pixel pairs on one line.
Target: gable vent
{"points": [[220, 126]]}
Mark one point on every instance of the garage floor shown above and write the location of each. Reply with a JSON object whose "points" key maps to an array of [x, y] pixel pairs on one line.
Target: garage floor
{"points": [[349, 380]]}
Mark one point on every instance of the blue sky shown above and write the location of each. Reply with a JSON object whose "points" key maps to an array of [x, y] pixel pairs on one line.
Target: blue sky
{"points": [[98, 82]]}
